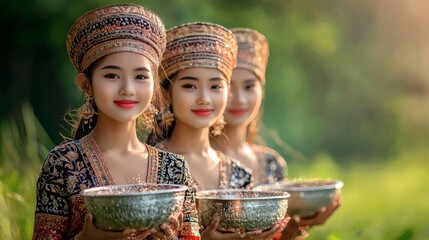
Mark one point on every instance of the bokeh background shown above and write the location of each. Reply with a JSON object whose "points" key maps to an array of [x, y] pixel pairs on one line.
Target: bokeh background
{"points": [[347, 97]]}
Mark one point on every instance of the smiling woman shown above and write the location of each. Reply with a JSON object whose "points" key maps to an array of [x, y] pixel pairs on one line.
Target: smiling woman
{"points": [[198, 63], [118, 74]]}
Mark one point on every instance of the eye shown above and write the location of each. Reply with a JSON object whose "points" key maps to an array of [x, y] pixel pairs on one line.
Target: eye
{"points": [[111, 76], [189, 86], [217, 87], [250, 86], [142, 77]]}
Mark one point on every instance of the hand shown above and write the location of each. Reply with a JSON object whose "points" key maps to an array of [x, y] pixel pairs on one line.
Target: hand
{"points": [[212, 234], [90, 231], [298, 226], [321, 216], [167, 231]]}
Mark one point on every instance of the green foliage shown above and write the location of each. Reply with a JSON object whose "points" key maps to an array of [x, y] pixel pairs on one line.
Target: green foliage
{"points": [[330, 78], [385, 199], [23, 145]]}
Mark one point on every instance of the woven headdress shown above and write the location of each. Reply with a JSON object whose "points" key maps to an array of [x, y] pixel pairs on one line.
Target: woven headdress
{"points": [[199, 44], [116, 28], [253, 51]]}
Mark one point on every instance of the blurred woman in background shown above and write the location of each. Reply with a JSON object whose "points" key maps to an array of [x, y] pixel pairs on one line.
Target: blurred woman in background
{"points": [[242, 115]]}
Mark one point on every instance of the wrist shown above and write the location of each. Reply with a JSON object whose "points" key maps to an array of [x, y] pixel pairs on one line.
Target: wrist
{"points": [[294, 232]]}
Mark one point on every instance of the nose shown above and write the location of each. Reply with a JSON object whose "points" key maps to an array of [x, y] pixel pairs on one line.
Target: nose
{"points": [[237, 96], [203, 98], [127, 88]]}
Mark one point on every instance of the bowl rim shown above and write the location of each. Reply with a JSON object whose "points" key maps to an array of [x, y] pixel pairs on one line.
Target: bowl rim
{"points": [[90, 192], [287, 185], [279, 195]]}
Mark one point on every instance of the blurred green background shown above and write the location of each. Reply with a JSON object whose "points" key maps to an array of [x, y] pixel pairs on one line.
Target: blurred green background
{"points": [[347, 96]]}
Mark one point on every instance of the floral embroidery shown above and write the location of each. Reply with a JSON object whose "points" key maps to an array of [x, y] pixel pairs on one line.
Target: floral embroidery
{"points": [[78, 165]]}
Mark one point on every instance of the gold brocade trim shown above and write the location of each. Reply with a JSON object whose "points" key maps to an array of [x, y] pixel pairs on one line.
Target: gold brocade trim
{"points": [[199, 44], [153, 165], [78, 212], [116, 28], [190, 229], [253, 51], [48, 226], [96, 159]]}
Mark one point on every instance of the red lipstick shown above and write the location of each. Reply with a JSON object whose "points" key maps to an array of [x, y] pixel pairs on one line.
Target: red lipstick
{"points": [[238, 112], [202, 112], [125, 103]]}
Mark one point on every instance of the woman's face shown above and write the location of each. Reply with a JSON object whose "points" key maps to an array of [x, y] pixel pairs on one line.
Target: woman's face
{"points": [[122, 86], [245, 99], [198, 96]]}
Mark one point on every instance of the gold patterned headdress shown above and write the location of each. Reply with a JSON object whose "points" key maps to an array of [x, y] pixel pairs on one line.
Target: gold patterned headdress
{"points": [[253, 51], [116, 28], [199, 44]]}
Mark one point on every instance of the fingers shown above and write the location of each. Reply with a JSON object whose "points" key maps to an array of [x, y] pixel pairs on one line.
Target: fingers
{"points": [[180, 219], [321, 216], [88, 222], [174, 222], [213, 226], [145, 233], [165, 232]]}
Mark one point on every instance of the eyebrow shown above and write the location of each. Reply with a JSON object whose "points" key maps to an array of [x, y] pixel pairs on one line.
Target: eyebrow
{"points": [[118, 68], [196, 79], [250, 80]]}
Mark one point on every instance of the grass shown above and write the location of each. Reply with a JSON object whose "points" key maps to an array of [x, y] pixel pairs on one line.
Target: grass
{"points": [[21, 154], [385, 199]]}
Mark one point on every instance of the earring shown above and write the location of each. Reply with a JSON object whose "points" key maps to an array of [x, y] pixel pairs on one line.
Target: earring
{"points": [[86, 111], [149, 115], [218, 126], [167, 116]]}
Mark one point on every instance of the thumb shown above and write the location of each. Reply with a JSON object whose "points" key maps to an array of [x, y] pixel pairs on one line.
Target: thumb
{"points": [[213, 224], [88, 221]]}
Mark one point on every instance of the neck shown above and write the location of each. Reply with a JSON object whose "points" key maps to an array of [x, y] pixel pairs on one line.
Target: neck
{"points": [[116, 136], [186, 140], [232, 139]]}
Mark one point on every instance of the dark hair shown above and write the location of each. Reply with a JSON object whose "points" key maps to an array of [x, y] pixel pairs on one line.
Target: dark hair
{"points": [[161, 131], [82, 129]]}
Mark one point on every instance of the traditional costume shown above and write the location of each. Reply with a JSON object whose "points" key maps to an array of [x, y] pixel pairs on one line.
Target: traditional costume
{"points": [[205, 45], [253, 52], [77, 165]]}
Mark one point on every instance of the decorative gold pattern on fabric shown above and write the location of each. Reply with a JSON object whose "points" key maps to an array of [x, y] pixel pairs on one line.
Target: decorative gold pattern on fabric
{"points": [[253, 51], [116, 28], [49, 227], [199, 44], [153, 164], [95, 157], [78, 213], [71, 168]]}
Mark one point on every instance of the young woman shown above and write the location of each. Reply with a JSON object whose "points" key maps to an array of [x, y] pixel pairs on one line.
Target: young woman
{"points": [[241, 116], [198, 63], [116, 50]]}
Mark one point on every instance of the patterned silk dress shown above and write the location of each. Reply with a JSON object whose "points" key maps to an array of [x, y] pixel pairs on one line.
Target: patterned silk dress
{"points": [[232, 174], [272, 165], [78, 165]]}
